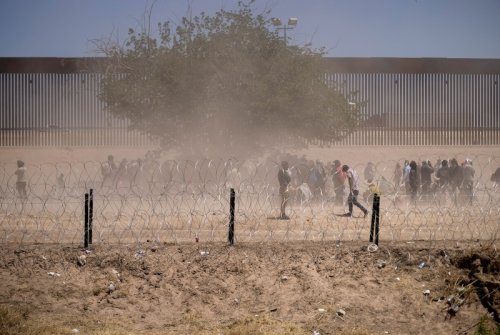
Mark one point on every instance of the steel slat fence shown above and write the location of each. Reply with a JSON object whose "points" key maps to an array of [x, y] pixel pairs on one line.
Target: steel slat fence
{"points": [[424, 109], [446, 106], [47, 109]]}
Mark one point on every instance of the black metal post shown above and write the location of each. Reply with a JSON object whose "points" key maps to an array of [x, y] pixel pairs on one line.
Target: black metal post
{"points": [[377, 219], [374, 227], [91, 213], [86, 224], [231, 217]]}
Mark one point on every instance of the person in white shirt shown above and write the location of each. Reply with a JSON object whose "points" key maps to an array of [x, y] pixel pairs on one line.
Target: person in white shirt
{"points": [[353, 179], [406, 177], [284, 178]]}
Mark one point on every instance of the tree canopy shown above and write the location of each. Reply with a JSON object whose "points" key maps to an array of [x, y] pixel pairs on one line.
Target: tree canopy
{"points": [[225, 83]]}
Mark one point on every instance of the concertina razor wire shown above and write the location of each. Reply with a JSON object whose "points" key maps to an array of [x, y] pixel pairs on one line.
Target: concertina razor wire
{"points": [[174, 201]]}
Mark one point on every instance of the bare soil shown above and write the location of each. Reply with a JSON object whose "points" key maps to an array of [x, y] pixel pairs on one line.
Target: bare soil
{"points": [[286, 288]]}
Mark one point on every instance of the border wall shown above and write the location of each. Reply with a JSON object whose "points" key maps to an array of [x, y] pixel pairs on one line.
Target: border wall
{"points": [[409, 101]]}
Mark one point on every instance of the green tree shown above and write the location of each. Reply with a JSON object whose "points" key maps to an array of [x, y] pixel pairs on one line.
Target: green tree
{"points": [[225, 83]]}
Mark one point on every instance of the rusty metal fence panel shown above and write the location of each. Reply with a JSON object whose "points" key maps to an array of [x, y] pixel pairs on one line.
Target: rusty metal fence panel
{"points": [[59, 109], [55, 102], [423, 109]]}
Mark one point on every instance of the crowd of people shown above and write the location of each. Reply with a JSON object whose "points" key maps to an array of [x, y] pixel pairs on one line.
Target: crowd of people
{"points": [[304, 180], [424, 181], [445, 177], [127, 173], [313, 182]]}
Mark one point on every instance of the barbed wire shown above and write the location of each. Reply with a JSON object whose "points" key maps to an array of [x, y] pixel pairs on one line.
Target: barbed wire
{"points": [[177, 201]]}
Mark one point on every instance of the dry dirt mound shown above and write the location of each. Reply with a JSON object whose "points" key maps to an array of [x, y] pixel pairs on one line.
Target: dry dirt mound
{"points": [[286, 288]]}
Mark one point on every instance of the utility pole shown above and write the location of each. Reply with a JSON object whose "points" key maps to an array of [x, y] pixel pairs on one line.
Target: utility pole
{"points": [[292, 22]]}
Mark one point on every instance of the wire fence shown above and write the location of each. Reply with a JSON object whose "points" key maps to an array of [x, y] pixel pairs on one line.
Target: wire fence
{"points": [[186, 201]]}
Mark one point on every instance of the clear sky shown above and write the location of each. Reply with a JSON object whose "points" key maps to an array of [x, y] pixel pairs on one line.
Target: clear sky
{"points": [[346, 28]]}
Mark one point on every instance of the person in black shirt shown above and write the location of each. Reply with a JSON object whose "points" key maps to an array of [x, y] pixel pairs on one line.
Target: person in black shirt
{"points": [[443, 175], [426, 172], [495, 177], [455, 180], [413, 181]]}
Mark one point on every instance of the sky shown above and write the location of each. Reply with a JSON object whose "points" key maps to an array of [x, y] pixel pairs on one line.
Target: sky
{"points": [[345, 28]]}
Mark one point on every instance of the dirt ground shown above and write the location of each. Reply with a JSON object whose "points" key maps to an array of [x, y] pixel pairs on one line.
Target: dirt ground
{"points": [[252, 288], [351, 155], [292, 288]]}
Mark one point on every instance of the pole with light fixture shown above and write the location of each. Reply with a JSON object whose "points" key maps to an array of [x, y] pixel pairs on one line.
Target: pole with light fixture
{"points": [[292, 22]]}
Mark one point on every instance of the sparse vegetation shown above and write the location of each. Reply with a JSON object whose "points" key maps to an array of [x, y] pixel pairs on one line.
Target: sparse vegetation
{"points": [[15, 321], [263, 326], [487, 327], [97, 290]]}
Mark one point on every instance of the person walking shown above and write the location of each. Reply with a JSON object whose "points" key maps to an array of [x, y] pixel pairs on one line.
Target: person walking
{"points": [[455, 179], [108, 171], [284, 179], [397, 177], [338, 179], [369, 172], [413, 180], [353, 181], [468, 180], [443, 175], [406, 176], [21, 180], [426, 172], [495, 178], [443, 180]]}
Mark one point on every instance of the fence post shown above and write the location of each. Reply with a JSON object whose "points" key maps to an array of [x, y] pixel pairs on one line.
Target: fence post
{"points": [[231, 217], [374, 227], [377, 220], [86, 224], [91, 213]]}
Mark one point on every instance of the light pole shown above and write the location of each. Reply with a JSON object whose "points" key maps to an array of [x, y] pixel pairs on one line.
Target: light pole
{"points": [[292, 22]]}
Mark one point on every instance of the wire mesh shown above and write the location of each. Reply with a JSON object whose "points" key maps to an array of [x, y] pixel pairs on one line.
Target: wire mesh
{"points": [[175, 201]]}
